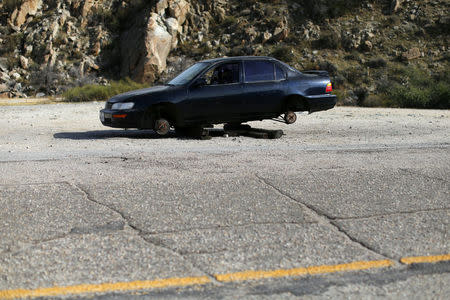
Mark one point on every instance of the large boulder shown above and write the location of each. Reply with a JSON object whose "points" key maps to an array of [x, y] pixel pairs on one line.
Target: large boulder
{"points": [[19, 15], [146, 45], [173, 28], [145, 49]]}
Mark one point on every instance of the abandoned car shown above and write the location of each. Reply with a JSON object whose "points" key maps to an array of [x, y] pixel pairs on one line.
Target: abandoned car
{"points": [[229, 90]]}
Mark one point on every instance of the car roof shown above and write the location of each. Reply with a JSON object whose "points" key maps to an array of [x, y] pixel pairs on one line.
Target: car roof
{"points": [[224, 59]]}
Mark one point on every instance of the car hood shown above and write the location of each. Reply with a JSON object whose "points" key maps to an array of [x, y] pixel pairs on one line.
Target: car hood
{"points": [[156, 90]]}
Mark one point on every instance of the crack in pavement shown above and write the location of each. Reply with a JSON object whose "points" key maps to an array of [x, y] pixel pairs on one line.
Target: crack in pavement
{"points": [[140, 232], [219, 227], [155, 237], [72, 232], [182, 256], [324, 219], [302, 148], [91, 199], [390, 214]]}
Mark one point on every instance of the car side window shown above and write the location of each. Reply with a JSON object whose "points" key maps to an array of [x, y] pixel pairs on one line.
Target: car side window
{"points": [[279, 73], [258, 71], [223, 74]]}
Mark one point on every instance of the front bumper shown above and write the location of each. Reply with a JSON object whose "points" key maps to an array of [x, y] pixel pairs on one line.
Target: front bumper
{"points": [[121, 118], [321, 102]]}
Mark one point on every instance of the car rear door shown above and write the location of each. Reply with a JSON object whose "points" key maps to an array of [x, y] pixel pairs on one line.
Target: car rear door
{"points": [[263, 87]]}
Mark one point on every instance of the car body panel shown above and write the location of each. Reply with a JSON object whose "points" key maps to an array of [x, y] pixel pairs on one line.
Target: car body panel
{"points": [[217, 102]]}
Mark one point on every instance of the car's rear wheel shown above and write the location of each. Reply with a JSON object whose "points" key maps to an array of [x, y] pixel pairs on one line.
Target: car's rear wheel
{"points": [[162, 126], [290, 117]]}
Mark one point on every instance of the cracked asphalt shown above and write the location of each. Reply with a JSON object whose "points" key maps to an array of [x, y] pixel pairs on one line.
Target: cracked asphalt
{"points": [[82, 204]]}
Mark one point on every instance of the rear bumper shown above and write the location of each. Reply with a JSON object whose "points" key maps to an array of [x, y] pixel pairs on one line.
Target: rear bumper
{"points": [[321, 102], [121, 118]]}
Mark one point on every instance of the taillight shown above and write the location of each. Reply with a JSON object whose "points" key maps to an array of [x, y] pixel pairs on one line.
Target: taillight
{"points": [[329, 88]]}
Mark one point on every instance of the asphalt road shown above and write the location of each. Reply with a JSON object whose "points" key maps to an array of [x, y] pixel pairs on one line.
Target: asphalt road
{"points": [[349, 203]]}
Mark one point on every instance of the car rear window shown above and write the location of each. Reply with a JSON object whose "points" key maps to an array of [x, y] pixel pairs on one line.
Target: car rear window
{"points": [[279, 73], [258, 71]]}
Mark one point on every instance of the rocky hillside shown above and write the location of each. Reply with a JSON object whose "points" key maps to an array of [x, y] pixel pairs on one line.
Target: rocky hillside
{"points": [[368, 46]]}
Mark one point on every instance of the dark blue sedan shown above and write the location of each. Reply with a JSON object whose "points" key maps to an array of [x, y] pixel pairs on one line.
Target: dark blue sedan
{"points": [[229, 90]]}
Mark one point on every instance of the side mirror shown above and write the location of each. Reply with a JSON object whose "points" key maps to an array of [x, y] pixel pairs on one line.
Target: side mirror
{"points": [[199, 82]]}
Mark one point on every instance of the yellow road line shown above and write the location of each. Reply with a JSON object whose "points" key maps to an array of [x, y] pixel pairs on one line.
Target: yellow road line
{"points": [[104, 287], [424, 259], [353, 266], [201, 280]]}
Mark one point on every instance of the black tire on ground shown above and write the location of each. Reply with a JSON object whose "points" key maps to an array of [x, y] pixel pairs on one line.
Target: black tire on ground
{"points": [[193, 132], [236, 126], [290, 117], [162, 126], [275, 134], [181, 131]]}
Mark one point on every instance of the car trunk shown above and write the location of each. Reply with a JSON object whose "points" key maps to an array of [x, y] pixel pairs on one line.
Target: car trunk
{"points": [[317, 82]]}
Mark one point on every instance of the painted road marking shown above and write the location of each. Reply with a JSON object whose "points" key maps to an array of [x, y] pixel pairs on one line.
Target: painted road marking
{"points": [[353, 266], [104, 287], [424, 259], [202, 280]]}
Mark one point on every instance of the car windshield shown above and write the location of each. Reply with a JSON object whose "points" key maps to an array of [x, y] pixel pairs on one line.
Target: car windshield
{"points": [[188, 74]]}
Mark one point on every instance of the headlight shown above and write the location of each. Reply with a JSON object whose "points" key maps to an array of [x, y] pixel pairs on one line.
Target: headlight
{"points": [[122, 106]]}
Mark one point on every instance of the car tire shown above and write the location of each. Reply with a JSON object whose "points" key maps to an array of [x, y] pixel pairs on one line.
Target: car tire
{"points": [[236, 126], [162, 127], [181, 131], [192, 131], [290, 117]]}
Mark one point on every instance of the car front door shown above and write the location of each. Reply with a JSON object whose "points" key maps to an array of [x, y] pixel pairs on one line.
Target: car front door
{"points": [[219, 98], [263, 87]]}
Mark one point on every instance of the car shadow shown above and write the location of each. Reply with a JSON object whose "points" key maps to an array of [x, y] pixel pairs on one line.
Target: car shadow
{"points": [[150, 134], [110, 134]]}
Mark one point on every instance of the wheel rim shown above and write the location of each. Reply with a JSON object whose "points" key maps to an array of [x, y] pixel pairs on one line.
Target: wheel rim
{"points": [[162, 127], [290, 117]]}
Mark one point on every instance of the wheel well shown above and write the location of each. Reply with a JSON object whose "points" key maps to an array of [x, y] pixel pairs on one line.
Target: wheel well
{"points": [[163, 110], [296, 103]]}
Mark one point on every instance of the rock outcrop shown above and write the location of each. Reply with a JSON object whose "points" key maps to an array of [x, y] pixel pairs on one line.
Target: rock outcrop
{"points": [[49, 46], [411, 54], [395, 6], [146, 45], [20, 14], [144, 49]]}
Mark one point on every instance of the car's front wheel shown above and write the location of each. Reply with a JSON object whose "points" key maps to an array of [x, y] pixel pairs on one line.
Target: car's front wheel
{"points": [[162, 126]]}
